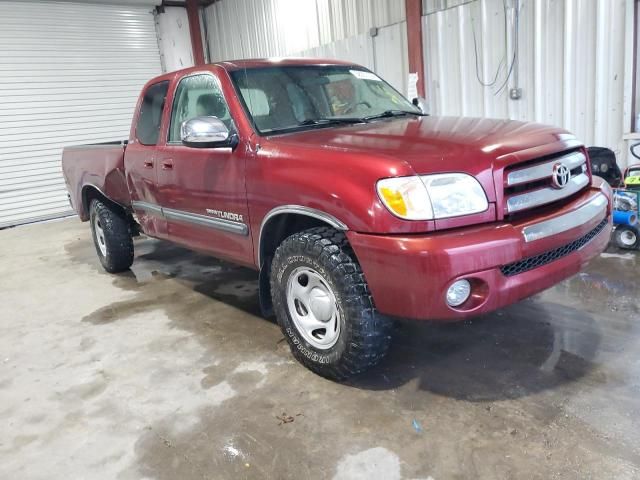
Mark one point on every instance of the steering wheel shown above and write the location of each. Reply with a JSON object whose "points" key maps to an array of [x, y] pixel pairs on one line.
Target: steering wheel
{"points": [[352, 108]]}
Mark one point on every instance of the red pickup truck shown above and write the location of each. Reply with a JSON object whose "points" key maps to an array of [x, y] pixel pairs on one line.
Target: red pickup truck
{"points": [[354, 206]]}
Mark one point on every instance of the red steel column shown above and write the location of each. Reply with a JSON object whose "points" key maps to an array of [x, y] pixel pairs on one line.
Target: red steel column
{"points": [[193, 14], [414, 39]]}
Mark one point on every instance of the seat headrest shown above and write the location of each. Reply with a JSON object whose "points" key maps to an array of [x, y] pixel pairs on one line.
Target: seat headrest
{"points": [[212, 104]]}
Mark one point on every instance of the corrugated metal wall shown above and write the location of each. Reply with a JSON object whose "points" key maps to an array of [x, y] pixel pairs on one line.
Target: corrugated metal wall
{"points": [[358, 49], [391, 54], [70, 74], [430, 6], [264, 28], [385, 53], [570, 63], [338, 29]]}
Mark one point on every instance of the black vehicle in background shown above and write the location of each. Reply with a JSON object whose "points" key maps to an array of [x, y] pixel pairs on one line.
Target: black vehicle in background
{"points": [[603, 164]]}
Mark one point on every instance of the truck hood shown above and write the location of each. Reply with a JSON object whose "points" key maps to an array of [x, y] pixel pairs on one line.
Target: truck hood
{"points": [[476, 146]]}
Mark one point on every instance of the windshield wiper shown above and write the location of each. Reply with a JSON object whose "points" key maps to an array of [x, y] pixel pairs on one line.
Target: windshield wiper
{"points": [[394, 113], [351, 120], [330, 121]]}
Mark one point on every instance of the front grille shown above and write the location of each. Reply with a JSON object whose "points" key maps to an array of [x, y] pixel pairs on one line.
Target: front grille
{"points": [[547, 257], [531, 184]]}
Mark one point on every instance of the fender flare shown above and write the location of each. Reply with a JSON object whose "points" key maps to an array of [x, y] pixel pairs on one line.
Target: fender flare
{"points": [[298, 210]]}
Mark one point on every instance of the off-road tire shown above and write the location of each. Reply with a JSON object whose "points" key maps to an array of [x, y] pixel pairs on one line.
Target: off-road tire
{"points": [[624, 236], [117, 237], [364, 336]]}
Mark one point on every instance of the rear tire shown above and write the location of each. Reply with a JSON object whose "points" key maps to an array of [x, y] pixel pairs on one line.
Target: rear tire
{"points": [[111, 236], [323, 305], [627, 237]]}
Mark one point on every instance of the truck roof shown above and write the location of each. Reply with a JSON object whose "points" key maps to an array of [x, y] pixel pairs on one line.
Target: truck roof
{"points": [[232, 65], [278, 61]]}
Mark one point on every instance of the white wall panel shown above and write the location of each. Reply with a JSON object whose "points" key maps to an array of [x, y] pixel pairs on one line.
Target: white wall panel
{"points": [[386, 53], [431, 6], [335, 29], [391, 55], [261, 28], [571, 63], [174, 38], [70, 73], [357, 49]]}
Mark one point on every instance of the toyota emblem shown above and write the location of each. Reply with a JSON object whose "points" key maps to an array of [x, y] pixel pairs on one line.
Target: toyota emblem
{"points": [[561, 175]]}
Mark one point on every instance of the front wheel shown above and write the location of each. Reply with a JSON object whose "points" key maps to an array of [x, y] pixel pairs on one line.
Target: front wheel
{"points": [[323, 305], [626, 237], [111, 236]]}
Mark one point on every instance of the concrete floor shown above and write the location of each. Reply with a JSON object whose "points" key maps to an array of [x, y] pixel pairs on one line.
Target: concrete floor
{"points": [[169, 372]]}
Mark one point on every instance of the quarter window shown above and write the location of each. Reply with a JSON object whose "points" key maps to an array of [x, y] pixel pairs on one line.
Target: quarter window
{"points": [[148, 126], [197, 96]]}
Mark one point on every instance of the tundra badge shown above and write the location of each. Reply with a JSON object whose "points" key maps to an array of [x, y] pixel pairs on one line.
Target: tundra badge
{"points": [[225, 215]]}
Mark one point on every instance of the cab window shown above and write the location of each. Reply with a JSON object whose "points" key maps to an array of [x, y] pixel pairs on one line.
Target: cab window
{"points": [[281, 99], [197, 96], [148, 126]]}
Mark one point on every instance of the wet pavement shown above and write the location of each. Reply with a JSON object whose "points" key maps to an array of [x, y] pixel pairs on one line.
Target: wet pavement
{"points": [[169, 372]]}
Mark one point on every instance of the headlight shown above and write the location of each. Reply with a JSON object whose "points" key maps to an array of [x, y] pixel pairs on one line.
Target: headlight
{"points": [[429, 197], [406, 197]]}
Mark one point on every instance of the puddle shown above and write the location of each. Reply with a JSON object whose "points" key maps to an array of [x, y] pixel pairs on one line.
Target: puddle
{"points": [[495, 384]]}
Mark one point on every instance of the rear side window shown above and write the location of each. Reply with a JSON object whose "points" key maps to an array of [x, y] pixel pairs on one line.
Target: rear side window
{"points": [[148, 127]]}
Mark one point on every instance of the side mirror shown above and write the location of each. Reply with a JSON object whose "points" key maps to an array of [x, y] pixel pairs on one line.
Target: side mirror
{"points": [[422, 104], [206, 132]]}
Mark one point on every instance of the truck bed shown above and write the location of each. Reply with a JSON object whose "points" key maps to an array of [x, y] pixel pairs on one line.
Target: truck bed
{"points": [[99, 166]]}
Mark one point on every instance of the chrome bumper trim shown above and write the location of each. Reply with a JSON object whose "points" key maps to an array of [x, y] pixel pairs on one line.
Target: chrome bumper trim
{"points": [[596, 208]]}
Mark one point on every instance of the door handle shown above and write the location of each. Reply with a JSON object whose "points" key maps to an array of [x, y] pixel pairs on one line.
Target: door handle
{"points": [[148, 164], [167, 164]]}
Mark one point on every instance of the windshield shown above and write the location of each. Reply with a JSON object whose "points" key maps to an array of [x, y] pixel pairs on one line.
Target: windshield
{"points": [[287, 98]]}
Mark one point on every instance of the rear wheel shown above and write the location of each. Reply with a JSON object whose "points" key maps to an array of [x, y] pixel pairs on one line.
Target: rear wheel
{"points": [[111, 236], [323, 305], [627, 237]]}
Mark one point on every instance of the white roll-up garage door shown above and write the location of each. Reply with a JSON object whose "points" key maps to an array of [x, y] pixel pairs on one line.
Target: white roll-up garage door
{"points": [[70, 74]]}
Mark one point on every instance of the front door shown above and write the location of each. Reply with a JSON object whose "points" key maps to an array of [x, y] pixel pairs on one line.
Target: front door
{"points": [[202, 190]]}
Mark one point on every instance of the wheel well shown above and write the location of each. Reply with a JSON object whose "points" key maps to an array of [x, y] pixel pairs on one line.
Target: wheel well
{"points": [[90, 193], [272, 234], [280, 227]]}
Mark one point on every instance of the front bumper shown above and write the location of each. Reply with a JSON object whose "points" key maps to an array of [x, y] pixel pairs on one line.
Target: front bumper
{"points": [[505, 262]]}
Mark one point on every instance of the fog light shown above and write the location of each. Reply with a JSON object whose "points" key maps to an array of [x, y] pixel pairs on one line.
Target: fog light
{"points": [[458, 293]]}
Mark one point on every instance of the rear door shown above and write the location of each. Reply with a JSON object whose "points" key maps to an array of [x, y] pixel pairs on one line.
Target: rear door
{"points": [[140, 160], [202, 190]]}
